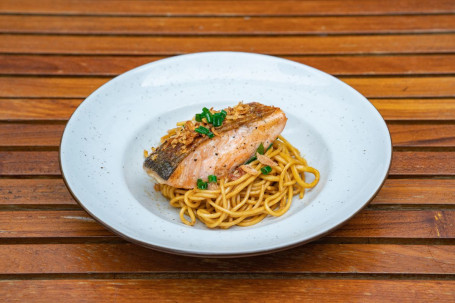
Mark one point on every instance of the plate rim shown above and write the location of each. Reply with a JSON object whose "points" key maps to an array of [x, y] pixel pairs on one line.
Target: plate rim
{"points": [[216, 254]]}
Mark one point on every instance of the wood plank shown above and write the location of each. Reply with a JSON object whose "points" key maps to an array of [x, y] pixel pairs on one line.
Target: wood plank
{"points": [[423, 163], [22, 109], [37, 224], [409, 224], [49, 87], [37, 109], [403, 163], [18, 134], [226, 26], [281, 45], [29, 163], [416, 191], [436, 135], [403, 135], [77, 87], [226, 8], [336, 65], [130, 258], [384, 224], [158, 290], [34, 192], [403, 87], [416, 109], [217, 290], [46, 192]]}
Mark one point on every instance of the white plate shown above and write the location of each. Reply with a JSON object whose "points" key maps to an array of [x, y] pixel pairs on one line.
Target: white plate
{"points": [[338, 131]]}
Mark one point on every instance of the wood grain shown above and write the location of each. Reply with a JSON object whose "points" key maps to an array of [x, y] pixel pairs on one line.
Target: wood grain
{"points": [[37, 109], [409, 224], [423, 163], [418, 192], [436, 135], [403, 87], [403, 135], [34, 192], [403, 163], [23, 109], [209, 290], [281, 45], [336, 65], [311, 258], [49, 86], [77, 87], [29, 163], [18, 134], [225, 26], [226, 8], [424, 224], [416, 109], [43, 224]]}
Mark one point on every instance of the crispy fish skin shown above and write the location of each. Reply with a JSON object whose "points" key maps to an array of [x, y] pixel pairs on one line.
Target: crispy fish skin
{"points": [[180, 165]]}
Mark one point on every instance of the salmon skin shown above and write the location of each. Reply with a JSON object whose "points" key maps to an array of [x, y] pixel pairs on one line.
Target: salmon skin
{"points": [[187, 155]]}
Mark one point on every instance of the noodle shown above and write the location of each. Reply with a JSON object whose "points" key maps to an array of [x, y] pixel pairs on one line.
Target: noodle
{"points": [[249, 199]]}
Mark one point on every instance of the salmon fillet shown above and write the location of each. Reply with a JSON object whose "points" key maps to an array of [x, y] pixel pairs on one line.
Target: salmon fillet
{"points": [[180, 164]]}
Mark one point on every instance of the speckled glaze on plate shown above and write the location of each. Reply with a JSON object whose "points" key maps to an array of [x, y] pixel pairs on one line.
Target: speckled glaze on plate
{"points": [[337, 130]]}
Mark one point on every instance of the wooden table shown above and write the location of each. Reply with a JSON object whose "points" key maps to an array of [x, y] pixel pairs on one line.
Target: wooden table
{"points": [[399, 54]]}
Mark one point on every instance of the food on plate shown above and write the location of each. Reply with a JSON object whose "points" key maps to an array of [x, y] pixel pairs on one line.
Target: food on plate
{"points": [[229, 167]]}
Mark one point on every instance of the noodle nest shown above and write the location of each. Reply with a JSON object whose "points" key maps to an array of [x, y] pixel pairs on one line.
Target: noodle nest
{"points": [[250, 198]]}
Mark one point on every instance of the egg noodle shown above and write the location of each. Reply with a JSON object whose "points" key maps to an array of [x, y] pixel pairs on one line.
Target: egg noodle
{"points": [[250, 198]]}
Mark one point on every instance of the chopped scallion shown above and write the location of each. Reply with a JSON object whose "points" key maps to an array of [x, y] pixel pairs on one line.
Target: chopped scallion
{"points": [[266, 170], [207, 114], [212, 178], [217, 120], [201, 184], [260, 149], [251, 160], [202, 130]]}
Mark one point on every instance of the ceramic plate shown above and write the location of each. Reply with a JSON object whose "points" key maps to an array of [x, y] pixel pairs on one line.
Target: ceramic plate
{"points": [[337, 130]]}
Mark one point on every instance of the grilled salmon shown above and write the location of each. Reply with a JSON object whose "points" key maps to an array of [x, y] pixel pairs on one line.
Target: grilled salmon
{"points": [[187, 155]]}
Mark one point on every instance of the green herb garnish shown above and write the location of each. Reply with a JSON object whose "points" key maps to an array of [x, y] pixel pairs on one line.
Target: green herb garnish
{"points": [[217, 119], [266, 170], [207, 115], [202, 130], [201, 184], [260, 149]]}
